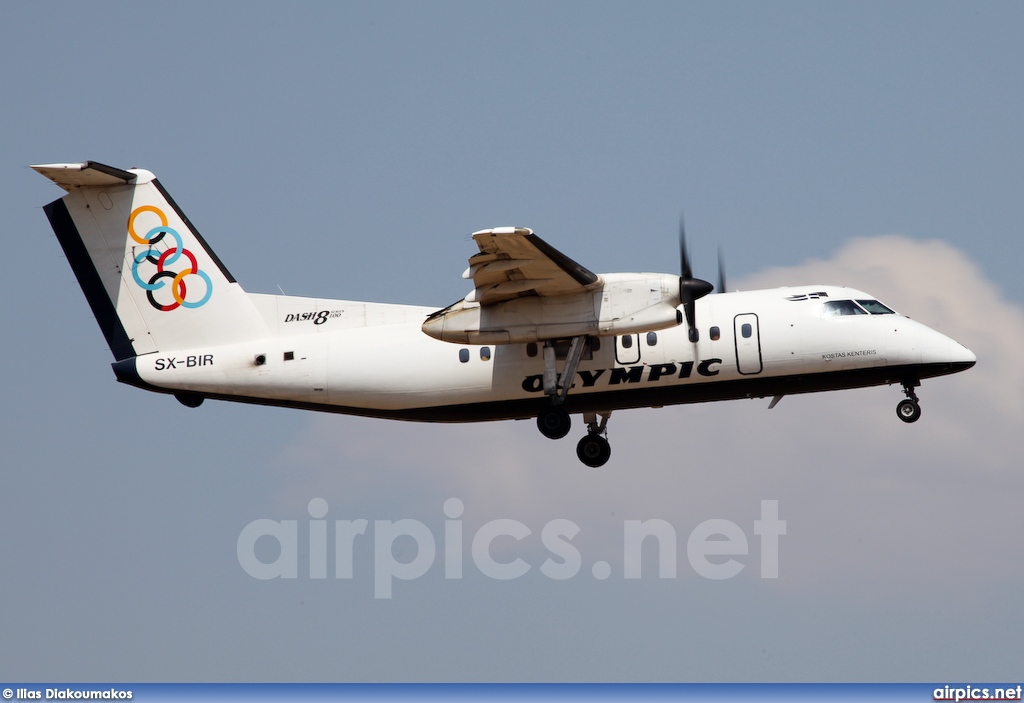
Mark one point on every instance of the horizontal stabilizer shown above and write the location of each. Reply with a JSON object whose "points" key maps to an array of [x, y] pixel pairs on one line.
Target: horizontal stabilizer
{"points": [[89, 173]]}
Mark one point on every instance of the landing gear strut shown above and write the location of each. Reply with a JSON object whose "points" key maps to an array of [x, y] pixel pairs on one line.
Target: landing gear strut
{"points": [[553, 420], [909, 410]]}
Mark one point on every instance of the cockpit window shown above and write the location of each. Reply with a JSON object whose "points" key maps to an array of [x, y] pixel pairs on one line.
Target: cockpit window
{"points": [[875, 308], [834, 308]]}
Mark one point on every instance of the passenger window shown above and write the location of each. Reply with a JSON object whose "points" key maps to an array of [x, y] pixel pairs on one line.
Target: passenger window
{"points": [[531, 349], [463, 355], [485, 353], [835, 308], [652, 339], [627, 341], [716, 334], [746, 330], [595, 343]]}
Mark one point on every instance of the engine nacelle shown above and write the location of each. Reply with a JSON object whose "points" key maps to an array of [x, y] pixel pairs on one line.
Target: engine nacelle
{"points": [[624, 304]]}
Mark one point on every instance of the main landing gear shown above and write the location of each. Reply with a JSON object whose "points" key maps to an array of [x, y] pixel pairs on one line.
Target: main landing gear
{"points": [[554, 422], [594, 450], [909, 410]]}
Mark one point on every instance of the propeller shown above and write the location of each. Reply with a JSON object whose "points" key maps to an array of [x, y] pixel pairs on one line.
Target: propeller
{"points": [[690, 289], [721, 272]]}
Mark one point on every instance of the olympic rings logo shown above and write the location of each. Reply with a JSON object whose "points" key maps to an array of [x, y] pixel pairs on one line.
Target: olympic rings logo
{"points": [[163, 259]]}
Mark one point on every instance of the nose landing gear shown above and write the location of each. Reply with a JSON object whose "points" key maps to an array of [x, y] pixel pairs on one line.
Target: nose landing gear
{"points": [[909, 410]]}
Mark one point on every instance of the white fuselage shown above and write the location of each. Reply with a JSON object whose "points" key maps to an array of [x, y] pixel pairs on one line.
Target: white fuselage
{"points": [[374, 359]]}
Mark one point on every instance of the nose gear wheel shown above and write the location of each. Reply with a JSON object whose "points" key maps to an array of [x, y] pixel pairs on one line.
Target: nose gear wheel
{"points": [[909, 410]]}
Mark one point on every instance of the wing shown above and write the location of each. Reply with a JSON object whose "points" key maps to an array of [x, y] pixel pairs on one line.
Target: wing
{"points": [[526, 291], [514, 262]]}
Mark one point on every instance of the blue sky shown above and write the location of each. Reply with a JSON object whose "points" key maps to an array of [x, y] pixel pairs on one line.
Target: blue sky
{"points": [[347, 151]]}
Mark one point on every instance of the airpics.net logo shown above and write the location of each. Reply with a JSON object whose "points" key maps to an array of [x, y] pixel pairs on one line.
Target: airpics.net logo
{"points": [[716, 549]]}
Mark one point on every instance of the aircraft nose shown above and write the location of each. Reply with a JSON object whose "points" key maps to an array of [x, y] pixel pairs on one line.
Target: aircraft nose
{"points": [[960, 356], [942, 352]]}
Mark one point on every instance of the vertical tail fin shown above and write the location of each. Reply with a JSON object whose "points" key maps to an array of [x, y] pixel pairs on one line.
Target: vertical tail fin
{"points": [[150, 278]]}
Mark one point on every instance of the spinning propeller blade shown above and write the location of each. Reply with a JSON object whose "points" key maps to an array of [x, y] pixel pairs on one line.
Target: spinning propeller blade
{"points": [[721, 272], [690, 289]]}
